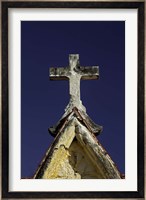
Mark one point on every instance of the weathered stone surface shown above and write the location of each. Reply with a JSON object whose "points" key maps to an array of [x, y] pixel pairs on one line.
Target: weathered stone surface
{"points": [[76, 154], [70, 163], [74, 73]]}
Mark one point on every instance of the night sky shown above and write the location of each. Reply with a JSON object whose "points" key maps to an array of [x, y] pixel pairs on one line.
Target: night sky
{"points": [[47, 44]]}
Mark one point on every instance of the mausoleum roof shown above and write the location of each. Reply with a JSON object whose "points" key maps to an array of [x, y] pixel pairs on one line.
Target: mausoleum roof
{"points": [[83, 132]]}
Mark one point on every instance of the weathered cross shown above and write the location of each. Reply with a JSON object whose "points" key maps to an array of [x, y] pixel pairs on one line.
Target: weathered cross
{"points": [[74, 73]]}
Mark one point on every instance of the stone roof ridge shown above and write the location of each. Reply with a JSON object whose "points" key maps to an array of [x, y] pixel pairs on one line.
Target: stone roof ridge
{"points": [[84, 135], [81, 116]]}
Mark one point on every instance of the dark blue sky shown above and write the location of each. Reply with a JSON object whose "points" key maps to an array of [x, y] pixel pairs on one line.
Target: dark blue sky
{"points": [[48, 44]]}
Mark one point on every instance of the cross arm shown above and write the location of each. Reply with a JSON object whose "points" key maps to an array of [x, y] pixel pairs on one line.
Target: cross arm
{"points": [[88, 73], [58, 73]]}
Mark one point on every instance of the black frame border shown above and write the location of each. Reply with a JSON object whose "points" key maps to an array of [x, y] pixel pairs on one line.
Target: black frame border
{"points": [[5, 99]]}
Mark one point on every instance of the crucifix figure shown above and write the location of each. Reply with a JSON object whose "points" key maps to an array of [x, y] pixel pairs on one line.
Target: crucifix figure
{"points": [[74, 73]]}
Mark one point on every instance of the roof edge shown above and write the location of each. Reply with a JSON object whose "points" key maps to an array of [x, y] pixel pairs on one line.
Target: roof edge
{"points": [[82, 117]]}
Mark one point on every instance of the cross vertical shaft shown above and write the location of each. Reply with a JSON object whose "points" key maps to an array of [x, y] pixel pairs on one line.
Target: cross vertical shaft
{"points": [[74, 78]]}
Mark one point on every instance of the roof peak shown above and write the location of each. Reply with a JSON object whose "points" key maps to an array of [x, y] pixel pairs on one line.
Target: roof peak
{"points": [[81, 116], [75, 127]]}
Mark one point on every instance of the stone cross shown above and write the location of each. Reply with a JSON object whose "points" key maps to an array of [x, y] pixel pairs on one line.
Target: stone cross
{"points": [[74, 73]]}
